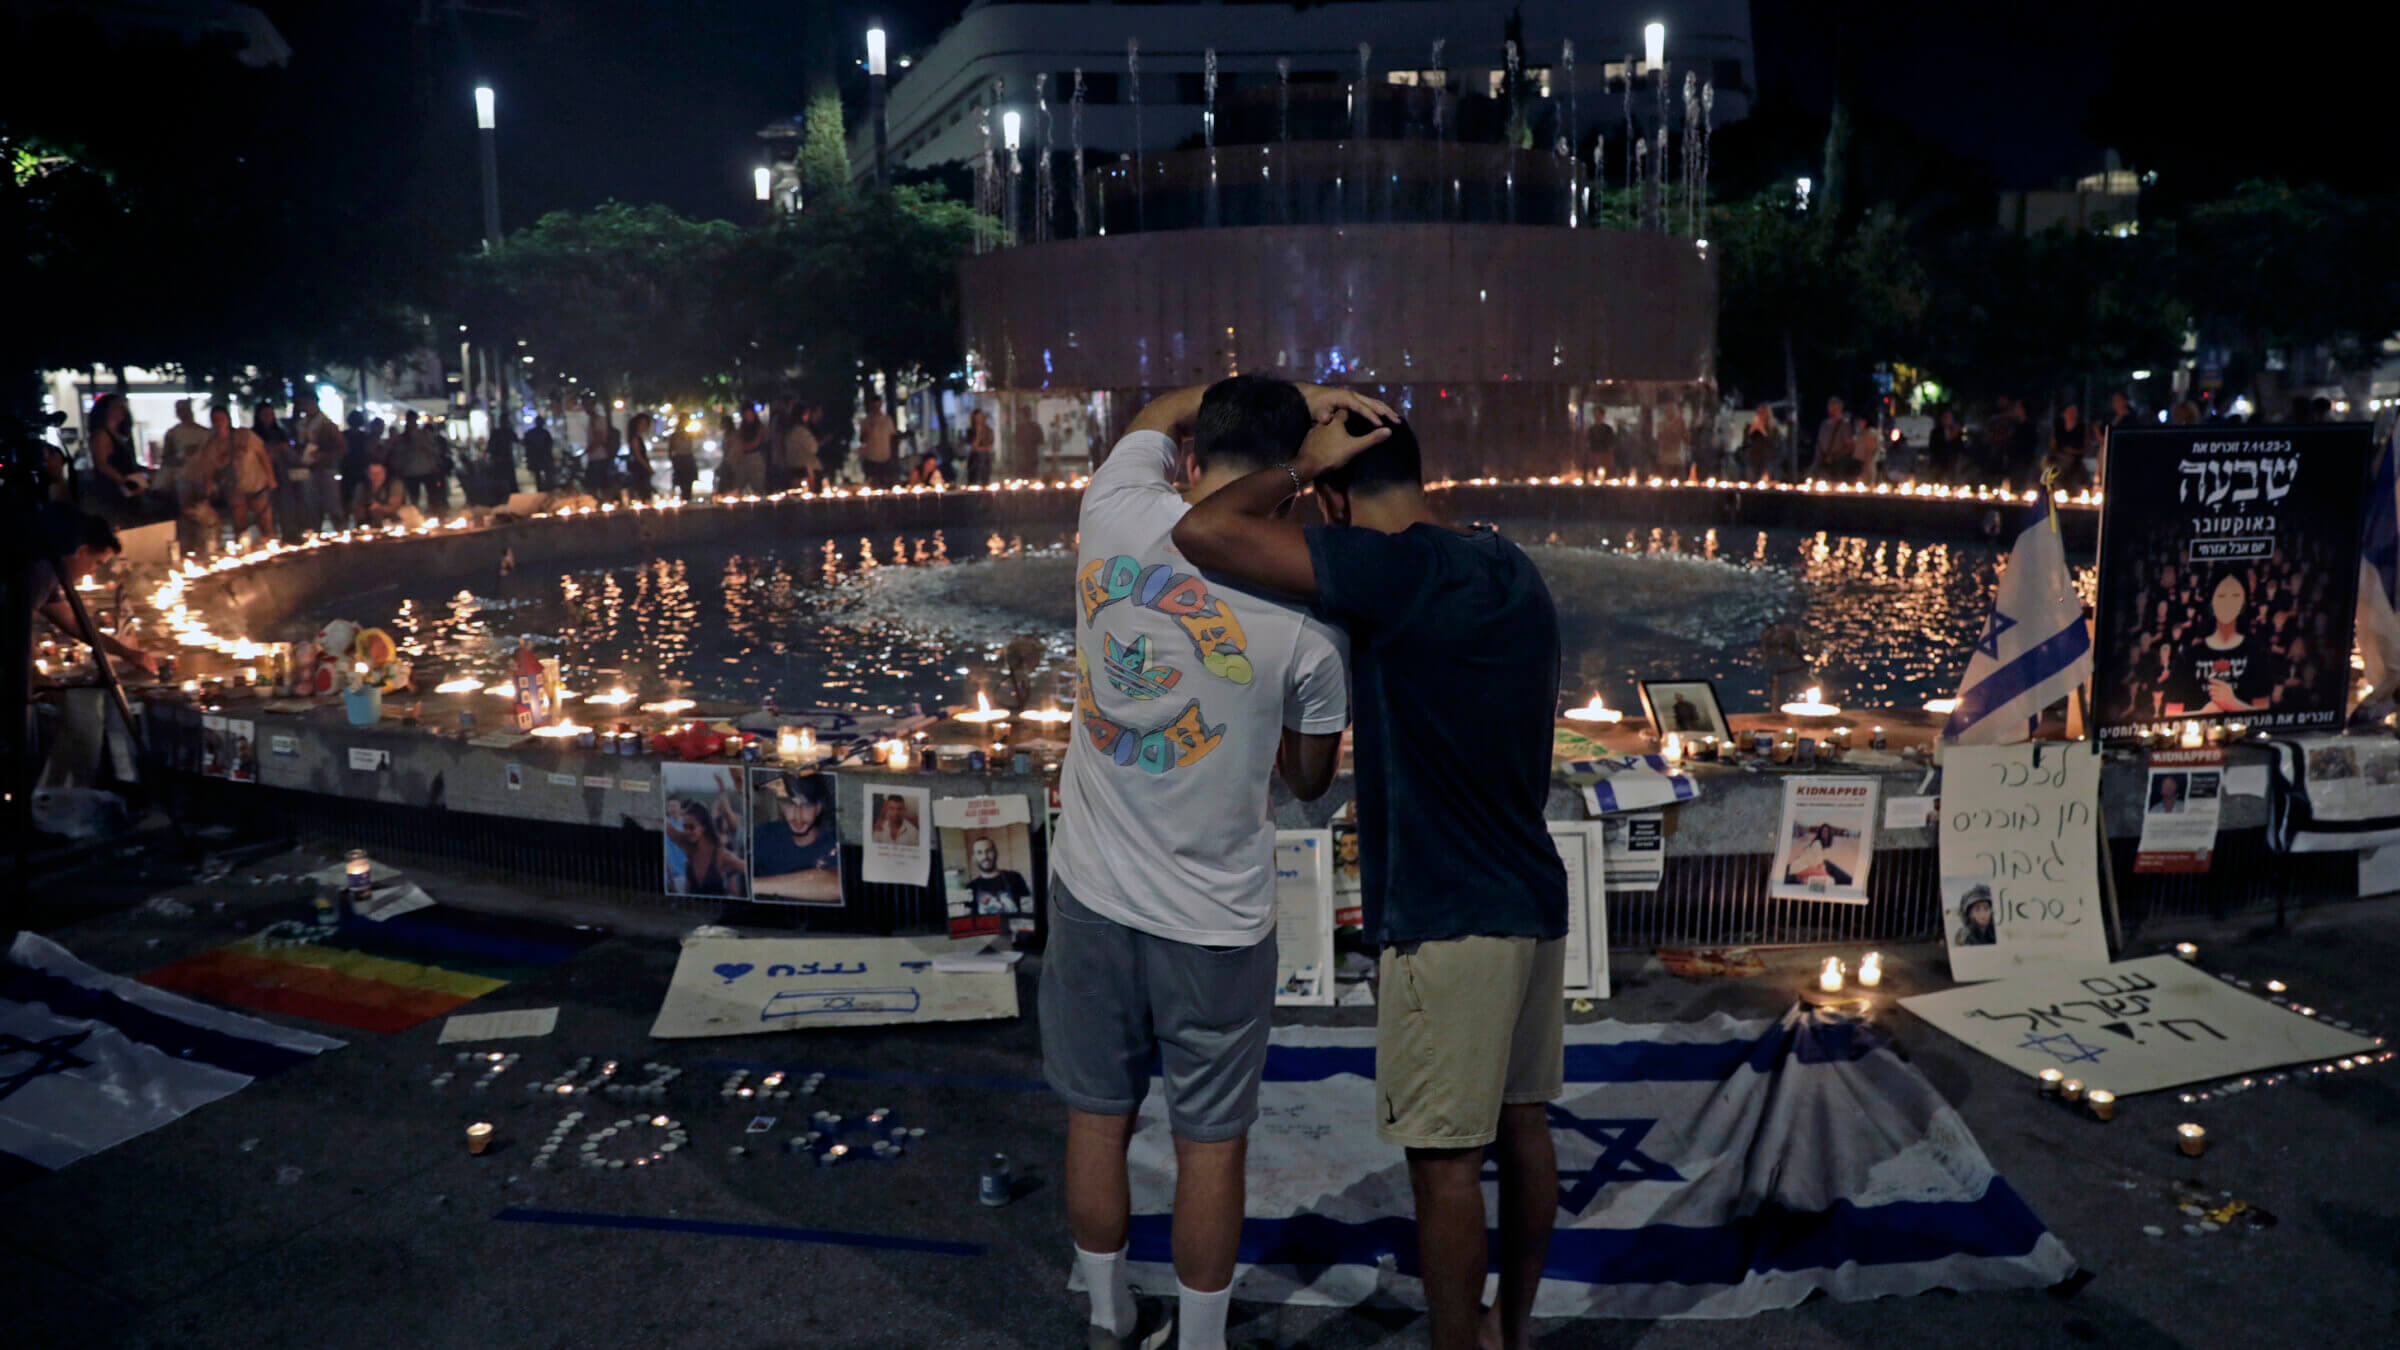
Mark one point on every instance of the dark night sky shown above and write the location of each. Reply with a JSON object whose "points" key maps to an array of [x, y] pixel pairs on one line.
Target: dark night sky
{"points": [[643, 100]]}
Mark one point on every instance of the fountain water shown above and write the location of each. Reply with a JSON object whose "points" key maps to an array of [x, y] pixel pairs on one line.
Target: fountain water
{"points": [[1691, 161], [983, 174], [1044, 202], [1567, 134], [1631, 164], [1283, 131], [1592, 206], [1358, 95], [1075, 134], [1637, 169], [1708, 114], [1208, 126], [1133, 81], [1441, 82], [1658, 185]]}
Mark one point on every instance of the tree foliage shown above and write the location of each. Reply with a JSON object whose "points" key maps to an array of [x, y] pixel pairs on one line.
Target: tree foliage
{"points": [[642, 303]]}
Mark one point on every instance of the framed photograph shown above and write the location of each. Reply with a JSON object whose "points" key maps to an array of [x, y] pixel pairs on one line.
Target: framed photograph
{"points": [[1687, 706]]}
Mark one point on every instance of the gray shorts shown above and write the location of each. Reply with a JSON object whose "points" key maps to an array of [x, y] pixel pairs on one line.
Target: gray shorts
{"points": [[1112, 996]]}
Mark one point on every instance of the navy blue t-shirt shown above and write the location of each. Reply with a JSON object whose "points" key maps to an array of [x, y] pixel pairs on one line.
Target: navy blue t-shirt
{"points": [[775, 853], [1453, 685]]}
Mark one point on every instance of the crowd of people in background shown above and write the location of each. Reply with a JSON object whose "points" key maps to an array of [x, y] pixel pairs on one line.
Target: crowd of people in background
{"points": [[2015, 443], [281, 471]]}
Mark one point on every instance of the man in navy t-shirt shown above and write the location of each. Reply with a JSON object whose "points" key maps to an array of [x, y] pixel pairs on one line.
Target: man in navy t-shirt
{"points": [[1454, 682]]}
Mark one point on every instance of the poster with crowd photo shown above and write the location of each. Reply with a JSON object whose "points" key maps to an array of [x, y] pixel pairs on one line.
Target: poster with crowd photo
{"points": [[796, 838], [987, 856], [1827, 842], [2228, 572], [704, 822]]}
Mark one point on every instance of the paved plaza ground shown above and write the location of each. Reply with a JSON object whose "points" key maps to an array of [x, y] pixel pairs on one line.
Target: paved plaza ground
{"points": [[336, 1206]]}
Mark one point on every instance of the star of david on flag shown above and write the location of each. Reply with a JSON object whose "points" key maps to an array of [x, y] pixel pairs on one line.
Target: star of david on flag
{"points": [[2036, 649], [1716, 1168]]}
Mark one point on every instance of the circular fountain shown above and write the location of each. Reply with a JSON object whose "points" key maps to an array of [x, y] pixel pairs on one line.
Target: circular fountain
{"points": [[1348, 240]]}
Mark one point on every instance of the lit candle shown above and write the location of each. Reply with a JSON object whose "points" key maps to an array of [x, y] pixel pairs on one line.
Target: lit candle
{"points": [[479, 1136], [1594, 711], [2103, 1103], [1811, 703], [898, 753], [2051, 1080], [1870, 970], [1674, 747], [2191, 1140], [1876, 740], [2192, 736], [2275, 986], [1829, 979], [787, 745], [2187, 951], [1943, 706], [984, 712], [2071, 1090]]}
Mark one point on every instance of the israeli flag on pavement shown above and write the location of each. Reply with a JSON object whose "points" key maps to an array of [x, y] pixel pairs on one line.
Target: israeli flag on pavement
{"points": [[2379, 574], [2035, 651], [89, 1060], [1711, 1169]]}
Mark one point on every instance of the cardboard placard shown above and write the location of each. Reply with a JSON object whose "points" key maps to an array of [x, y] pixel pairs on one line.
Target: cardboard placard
{"points": [[2020, 857], [743, 986], [2136, 1026], [1636, 847]]}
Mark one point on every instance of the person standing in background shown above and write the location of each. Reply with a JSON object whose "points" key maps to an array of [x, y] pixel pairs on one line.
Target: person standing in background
{"points": [[640, 477], [1837, 456], [875, 449], [181, 439], [980, 447], [322, 450], [249, 474], [541, 454], [683, 468]]}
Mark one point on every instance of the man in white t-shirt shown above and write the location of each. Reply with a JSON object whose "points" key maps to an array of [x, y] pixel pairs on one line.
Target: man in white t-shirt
{"points": [[1163, 896]]}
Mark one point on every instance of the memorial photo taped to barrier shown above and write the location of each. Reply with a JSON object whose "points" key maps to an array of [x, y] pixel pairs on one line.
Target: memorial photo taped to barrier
{"points": [[2228, 572]]}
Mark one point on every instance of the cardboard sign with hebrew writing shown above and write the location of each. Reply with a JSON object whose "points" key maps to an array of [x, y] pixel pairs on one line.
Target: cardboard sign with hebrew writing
{"points": [[2136, 1026], [2020, 857], [738, 986]]}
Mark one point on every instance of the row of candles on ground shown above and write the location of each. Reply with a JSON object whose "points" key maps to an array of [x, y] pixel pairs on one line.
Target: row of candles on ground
{"points": [[2054, 1085], [2193, 736]]}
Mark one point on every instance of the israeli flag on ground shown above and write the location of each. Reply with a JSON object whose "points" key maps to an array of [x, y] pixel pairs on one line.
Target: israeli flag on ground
{"points": [[88, 1060], [2379, 575], [2034, 652], [1711, 1169]]}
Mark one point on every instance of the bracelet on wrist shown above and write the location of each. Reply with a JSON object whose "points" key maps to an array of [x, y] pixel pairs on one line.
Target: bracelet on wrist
{"points": [[1299, 484]]}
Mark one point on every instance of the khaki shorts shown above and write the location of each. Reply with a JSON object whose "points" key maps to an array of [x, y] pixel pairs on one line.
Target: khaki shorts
{"points": [[1464, 1026]]}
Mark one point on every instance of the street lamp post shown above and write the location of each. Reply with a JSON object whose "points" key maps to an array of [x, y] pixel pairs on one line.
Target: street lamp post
{"points": [[487, 135], [1654, 55], [1012, 125], [762, 182], [876, 80]]}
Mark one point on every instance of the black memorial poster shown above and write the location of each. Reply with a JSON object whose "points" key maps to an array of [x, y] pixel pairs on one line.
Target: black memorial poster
{"points": [[2228, 572]]}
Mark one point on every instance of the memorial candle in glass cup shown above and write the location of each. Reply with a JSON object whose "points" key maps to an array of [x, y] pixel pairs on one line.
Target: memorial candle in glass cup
{"points": [[1877, 741], [479, 1136], [2051, 1079], [2071, 1090], [2191, 1140], [2103, 1103]]}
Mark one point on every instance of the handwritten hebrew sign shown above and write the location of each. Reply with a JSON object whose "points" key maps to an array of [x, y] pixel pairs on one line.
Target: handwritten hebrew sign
{"points": [[2228, 568], [2020, 852], [736, 986], [2136, 1026]]}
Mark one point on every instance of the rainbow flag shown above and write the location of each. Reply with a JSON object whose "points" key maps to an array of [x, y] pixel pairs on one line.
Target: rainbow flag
{"points": [[375, 976]]}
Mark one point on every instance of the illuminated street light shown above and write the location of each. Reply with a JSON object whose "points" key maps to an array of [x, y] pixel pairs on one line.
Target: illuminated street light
{"points": [[877, 80], [1011, 122], [762, 180], [875, 65], [485, 114], [1654, 45]]}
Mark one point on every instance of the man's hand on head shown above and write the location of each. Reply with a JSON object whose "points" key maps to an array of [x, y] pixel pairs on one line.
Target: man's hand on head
{"points": [[1330, 446], [1325, 403]]}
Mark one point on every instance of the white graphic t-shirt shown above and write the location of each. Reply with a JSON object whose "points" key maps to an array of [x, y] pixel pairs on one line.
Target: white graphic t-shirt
{"points": [[1187, 685]]}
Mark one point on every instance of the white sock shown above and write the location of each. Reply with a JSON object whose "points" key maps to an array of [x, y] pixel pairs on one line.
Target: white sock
{"points": [[1112, 1293], [1200, 1318]]}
